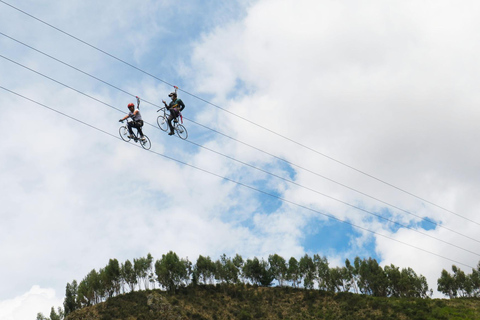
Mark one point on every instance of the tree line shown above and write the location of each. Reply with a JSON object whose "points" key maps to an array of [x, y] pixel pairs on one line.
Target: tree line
{"points": [[459, 284], [363, 276]]}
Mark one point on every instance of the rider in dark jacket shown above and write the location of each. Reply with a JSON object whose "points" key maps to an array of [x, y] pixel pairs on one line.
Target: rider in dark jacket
{"points": [[175, 106]]}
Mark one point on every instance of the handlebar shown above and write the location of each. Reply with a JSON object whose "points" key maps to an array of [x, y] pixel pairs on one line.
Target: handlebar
{"points": [[125, 120]]}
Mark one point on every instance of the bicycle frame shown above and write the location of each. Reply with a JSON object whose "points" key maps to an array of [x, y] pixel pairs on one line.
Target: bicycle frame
{"points": [[125, 135], [162, 121], [136, 134]]}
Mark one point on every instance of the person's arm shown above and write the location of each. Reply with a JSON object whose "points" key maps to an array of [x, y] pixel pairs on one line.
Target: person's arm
{"points": [[124, 118]]}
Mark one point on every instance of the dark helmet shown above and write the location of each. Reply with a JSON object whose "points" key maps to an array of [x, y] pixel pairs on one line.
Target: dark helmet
{"points": [[172, 94], [131, 105]]}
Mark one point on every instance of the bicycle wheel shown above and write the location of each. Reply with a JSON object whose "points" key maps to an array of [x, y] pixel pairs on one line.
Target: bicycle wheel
{"points": [[181, 131], [124, 133], [162, 123], [146, 144]]}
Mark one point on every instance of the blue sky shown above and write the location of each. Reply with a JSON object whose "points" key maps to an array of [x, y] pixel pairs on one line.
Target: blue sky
{"points": [[360, 101]]}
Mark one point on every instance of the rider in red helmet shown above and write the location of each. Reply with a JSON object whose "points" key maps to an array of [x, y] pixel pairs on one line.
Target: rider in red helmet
{"points": [[137, 121]]}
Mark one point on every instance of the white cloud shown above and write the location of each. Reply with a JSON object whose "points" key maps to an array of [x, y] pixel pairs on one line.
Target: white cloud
{"points": [[377, 86], [386, 88], [29, 304]]}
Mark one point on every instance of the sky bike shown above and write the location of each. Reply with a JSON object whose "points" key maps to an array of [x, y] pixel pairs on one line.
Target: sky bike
{"points": [[162, 122], [125, 135]]}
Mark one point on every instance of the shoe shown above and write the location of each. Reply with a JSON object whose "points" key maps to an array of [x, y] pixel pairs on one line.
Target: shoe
{"points": [[143, 138], [130, 136], [171, 133]]}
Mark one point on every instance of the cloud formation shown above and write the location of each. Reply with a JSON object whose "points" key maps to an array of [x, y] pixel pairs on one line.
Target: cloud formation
{"points": [[388, 89]]}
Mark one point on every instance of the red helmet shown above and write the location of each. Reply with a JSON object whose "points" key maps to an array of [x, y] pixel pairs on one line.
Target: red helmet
{"points": [[131, 105]]}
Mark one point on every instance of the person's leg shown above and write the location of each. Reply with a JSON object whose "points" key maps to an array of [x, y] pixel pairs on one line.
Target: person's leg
{"points": [[169, 120], [140, 131], [129, 126], [138, 125]]}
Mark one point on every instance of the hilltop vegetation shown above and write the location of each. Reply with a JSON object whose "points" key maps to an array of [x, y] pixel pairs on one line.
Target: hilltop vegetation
{"points": [[311, 277], [252, 302]]}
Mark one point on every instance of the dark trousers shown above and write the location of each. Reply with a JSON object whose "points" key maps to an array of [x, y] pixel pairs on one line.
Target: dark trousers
{"points": [[173, 115], [135, 124]]}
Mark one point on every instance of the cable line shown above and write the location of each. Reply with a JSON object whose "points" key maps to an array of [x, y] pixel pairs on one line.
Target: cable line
{"points": [[84, 42], [43, 75], [292, 164], [242, 184], [243, 118], [338, 183], [61, 113], [335, 199], [75, 68], [64, 63], [267, 172], [271, 174]]}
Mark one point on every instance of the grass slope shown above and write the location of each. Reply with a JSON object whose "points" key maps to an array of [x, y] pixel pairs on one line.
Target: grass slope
{"points": [[248, 302]]}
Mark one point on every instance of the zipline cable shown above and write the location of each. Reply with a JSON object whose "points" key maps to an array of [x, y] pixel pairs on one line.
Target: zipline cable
{"points": [[239, 183], [234, 139], [245, 119], [271, 174], [262, 170], [218, 132]]}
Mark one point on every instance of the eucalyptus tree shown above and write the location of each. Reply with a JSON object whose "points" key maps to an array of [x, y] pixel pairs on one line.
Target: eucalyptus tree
{"points": [[413, 285], [150, 273], [204, 270], [70, 302], [54, 315], [446, 284], [337, 281], [111, 277], [372, 278], [346, 279], [143, 268], [171, 271], [308, 271], [103, 289], [258, 272], [225, 270], [88, 289], [464, 288], [278, 265], [352, 275], [238, 263], [40, 316], [293, 272], [459, 284], [129, 275], [323, 273], [475, 281], [396, 287]]}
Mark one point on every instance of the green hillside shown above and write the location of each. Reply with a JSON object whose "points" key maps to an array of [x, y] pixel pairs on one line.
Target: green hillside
{"points": [[252, 302]]}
